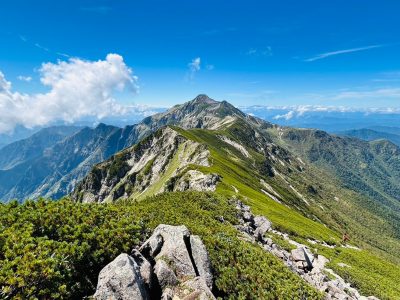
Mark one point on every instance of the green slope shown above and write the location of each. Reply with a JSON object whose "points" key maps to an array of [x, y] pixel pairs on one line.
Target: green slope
{"points": [[314, 205], [56, 249]]}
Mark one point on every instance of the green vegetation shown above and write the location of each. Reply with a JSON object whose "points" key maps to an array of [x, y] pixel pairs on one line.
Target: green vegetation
{"points": [[370, 274], [242, 175], [51, 250], [56, 249], [281, 242], [378, 277], [371, 169], [118, 164], [242, 270], [173, 164]]}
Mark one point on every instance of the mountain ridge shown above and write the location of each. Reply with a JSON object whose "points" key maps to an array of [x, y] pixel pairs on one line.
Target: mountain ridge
{"points": [[295, 177], [58, 177]]}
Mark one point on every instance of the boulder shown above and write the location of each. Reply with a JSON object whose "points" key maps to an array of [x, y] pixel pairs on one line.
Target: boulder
{"points": [[179, 257], [262, 225], [121, 280], [297, 254], [172, 264], [174, 249], [319, 263], [152, 246], [248, 217]]}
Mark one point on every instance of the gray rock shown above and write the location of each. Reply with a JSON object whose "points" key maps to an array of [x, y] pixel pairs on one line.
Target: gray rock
{"points": [[244, 228], [301, 255], [166, 277], [341, 296], [121, 280], [168, 294], [152, 246], [298, 254], [145, 268], [269, 241], [248, 217], [201, 259], [319, 263], [278, 253], [198, 289], [175, 239], [262, 225]]}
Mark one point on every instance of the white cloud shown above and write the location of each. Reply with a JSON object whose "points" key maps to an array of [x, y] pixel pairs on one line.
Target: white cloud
{"points": [[251, 51], [37, 45], [77, 89], [293, 111], [267, 51], [24, 78], [194, 67], [338, 52], [286, 116]]}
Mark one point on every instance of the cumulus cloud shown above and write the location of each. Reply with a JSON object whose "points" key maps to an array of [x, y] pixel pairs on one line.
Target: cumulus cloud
{"points": [[194, 67], [77, 89]]}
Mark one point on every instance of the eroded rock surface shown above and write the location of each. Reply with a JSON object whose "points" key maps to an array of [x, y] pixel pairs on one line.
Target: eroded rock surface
{"points": [[171, 264]]}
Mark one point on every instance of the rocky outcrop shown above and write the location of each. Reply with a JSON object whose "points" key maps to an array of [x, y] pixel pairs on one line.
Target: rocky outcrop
{"points": [[252, 227], [137, 171], [311, 267], [197, 181], [121, 279], [171, 264]]}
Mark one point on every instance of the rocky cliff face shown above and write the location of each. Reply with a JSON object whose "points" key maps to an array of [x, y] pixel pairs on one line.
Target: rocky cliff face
{"points": [[147, 168]]}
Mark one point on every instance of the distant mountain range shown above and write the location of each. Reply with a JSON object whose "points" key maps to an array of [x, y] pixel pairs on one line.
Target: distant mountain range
{"points": [[330, 119], [375, 133]]}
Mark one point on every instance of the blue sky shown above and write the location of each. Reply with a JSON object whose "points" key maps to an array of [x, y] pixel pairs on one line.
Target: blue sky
{"points": [[275, 53]]}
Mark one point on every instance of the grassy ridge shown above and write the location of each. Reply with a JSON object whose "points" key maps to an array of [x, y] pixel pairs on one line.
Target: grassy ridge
{"points": [[371, 271], [242, 175]]}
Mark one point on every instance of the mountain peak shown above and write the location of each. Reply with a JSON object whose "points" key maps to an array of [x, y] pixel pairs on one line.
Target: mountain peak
{"points": [[203, 98]]}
